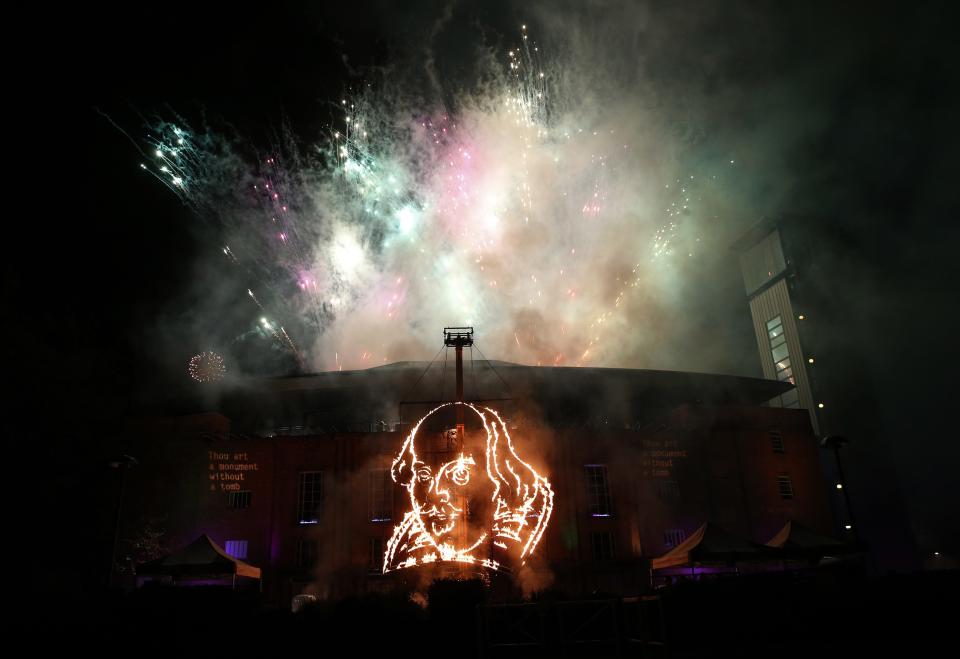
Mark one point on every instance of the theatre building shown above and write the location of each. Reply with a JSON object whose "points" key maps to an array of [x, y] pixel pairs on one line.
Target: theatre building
{"points": [[589, 474]]}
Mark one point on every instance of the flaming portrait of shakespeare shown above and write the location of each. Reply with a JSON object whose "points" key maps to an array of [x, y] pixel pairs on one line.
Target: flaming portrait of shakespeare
{"points": [[479, 504]]}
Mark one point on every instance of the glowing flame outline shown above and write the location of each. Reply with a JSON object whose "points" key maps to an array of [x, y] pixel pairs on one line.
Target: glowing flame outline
{"points": [[509, 520]]}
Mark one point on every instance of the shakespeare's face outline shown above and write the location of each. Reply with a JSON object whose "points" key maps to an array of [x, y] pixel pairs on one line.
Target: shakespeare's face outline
{"points": [[439, 497], [514, 502]]}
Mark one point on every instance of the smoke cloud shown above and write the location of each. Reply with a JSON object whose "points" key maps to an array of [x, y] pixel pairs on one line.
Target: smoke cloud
{"points": [[547, 186]]}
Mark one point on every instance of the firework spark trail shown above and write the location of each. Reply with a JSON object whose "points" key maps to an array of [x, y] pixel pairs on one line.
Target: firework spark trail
{"points": [[207, 176], [531, 218]]}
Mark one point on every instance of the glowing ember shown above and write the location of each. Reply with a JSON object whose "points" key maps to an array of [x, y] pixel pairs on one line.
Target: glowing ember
{"points": [[457, 515], [206, 367]]}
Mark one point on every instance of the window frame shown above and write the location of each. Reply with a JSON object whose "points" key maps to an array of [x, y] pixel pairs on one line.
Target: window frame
{"points": [[599, 502], [668, 490], [308, 553], [786, 493], [235, 498], [379, 495], [375, 555], [776, 442], [316, 498], [602, 546]]}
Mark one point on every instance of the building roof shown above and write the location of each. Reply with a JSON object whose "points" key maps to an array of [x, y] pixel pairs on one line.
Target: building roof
{"points": [[563, 392], [491, 379], [754, 234]]}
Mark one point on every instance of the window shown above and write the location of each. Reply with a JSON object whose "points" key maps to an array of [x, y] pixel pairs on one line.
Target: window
{"points": [[668, 491], [237, 548], [380, 496], [781, 360], [310, 497], [375, 564], [779, 350], [602, 543], [598, 493], [776, 440], [306, 554], [239, 499], [785, 486], [673, 537]]}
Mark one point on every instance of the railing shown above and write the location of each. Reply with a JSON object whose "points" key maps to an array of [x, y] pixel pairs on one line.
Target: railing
{"points": [[631, 626]]}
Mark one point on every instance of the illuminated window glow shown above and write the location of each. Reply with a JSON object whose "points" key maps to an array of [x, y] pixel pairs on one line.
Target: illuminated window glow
{"points": [[236, 548], [781, 360]]}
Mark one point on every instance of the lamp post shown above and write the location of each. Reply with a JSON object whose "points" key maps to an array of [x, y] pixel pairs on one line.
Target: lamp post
{"points": [[835, 442], [123, 464]]}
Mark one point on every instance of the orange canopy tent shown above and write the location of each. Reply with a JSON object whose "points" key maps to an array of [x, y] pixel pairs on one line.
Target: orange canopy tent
{"points": [[201, 558]]}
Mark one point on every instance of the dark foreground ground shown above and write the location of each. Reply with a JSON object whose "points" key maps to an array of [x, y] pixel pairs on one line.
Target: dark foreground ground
{"points": [[763, 616]]}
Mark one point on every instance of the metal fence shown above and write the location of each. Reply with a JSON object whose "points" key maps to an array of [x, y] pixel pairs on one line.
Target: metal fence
{"points": [[629, 627]]}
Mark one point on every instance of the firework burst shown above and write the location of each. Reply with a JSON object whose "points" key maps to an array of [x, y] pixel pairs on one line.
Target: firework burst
{"points": [[206, 367], [525, 211]]}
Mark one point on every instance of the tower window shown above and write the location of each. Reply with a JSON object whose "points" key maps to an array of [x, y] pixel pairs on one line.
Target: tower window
{"points": [[782, 365]]}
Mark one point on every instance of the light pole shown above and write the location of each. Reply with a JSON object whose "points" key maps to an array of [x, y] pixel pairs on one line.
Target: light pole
{"points": [[835, 442], [123, 464]]}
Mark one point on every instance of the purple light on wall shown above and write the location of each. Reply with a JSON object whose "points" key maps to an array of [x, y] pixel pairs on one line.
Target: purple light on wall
{"points": [[237, 548]]}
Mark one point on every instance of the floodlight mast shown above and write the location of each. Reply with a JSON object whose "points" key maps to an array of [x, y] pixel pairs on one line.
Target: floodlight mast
{"points": [[458, 338]]}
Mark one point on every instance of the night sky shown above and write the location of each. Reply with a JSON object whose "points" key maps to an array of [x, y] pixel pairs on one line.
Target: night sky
{"points": [[846, 113]]}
